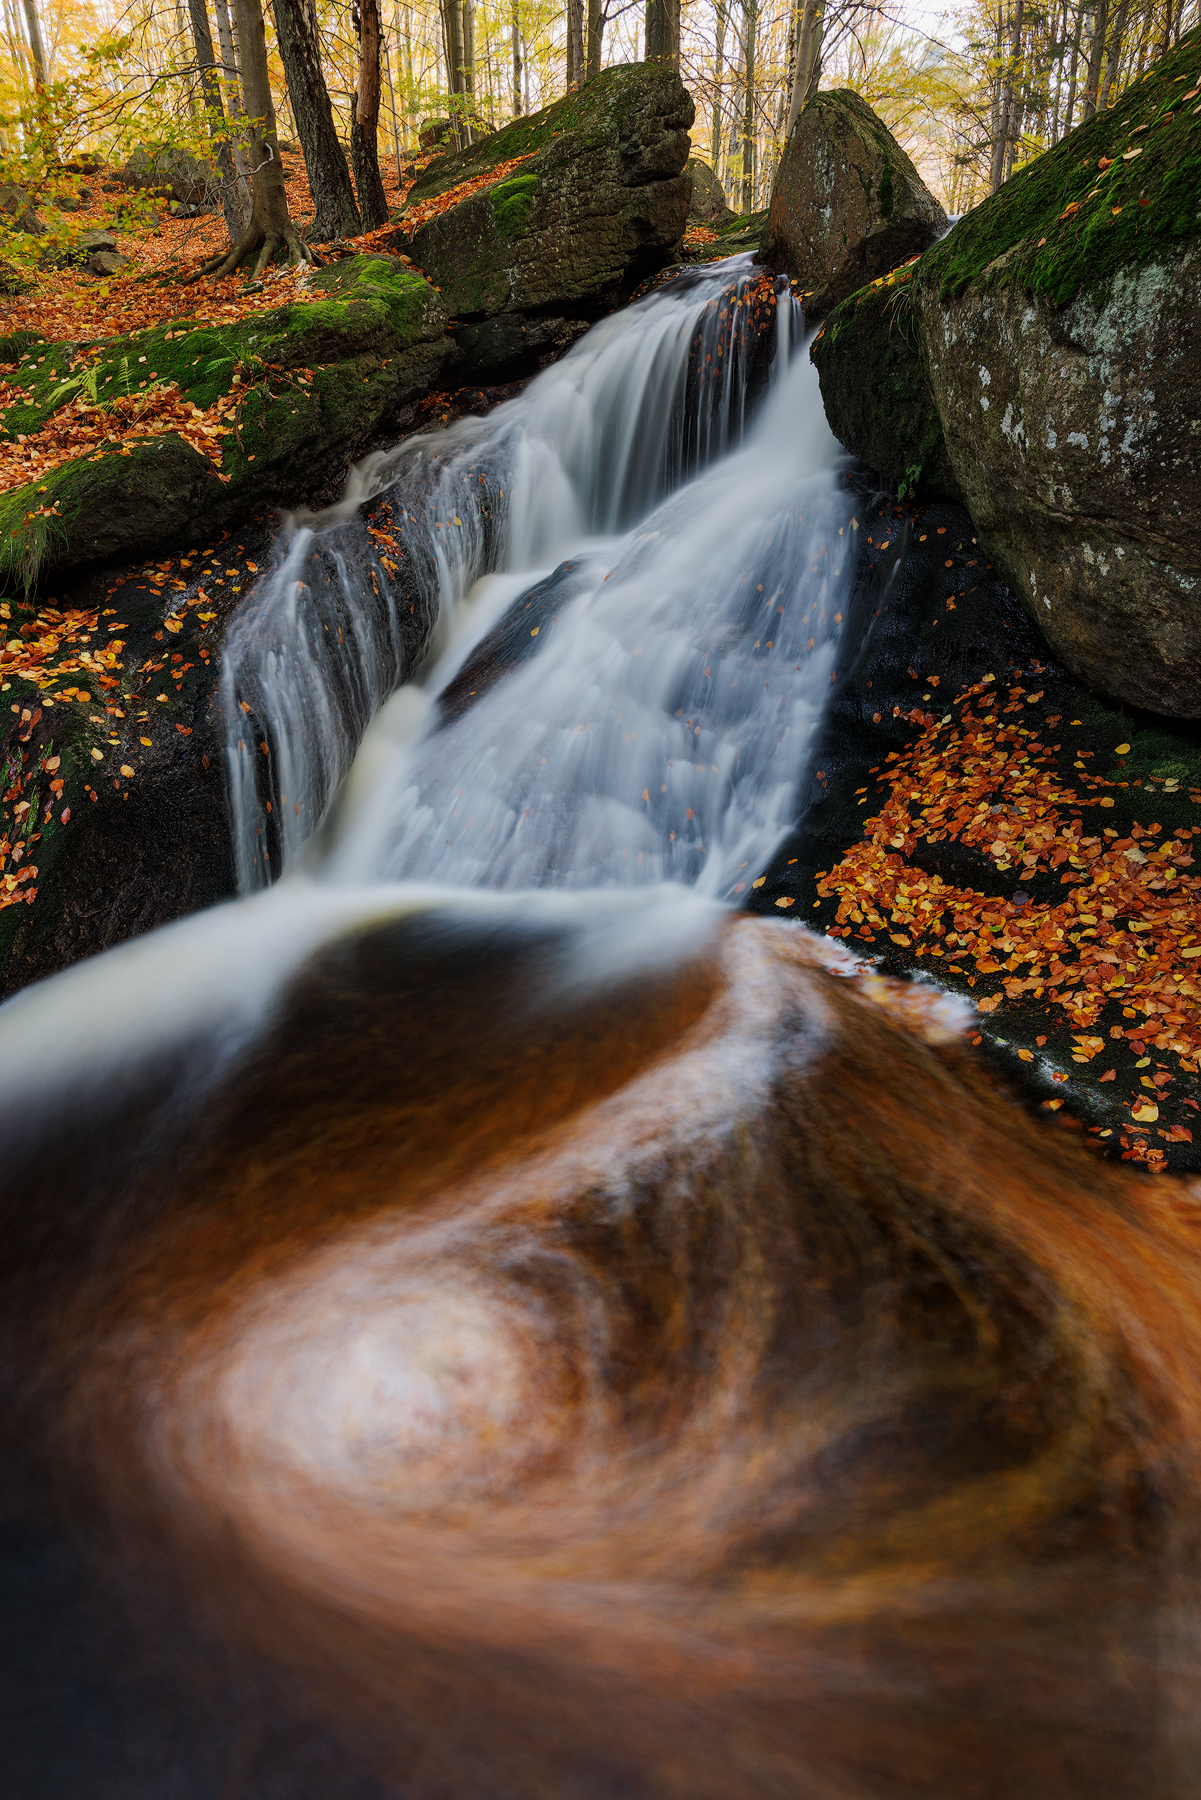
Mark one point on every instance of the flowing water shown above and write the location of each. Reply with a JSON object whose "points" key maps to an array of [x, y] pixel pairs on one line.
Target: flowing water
{"points": [[494, 1321]]}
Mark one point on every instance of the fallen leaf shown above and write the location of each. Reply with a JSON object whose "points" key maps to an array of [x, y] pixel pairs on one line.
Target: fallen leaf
{"points": [[1146, 1113]]}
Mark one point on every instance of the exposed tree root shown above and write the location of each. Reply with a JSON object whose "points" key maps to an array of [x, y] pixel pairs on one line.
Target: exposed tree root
{"points": [[279, 243]]}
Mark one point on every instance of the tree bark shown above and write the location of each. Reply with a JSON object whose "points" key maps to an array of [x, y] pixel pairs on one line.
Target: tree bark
{"points": [[575, 43], [719, 50], [808, 60], [596, 30], [516, 62], [335, 213], [1115, 55], [37, 49], [1096, 50], [663, 32], [1005, 123], [750, 10], [210, 81], [364, 125], [269, 233], [229, 71]]}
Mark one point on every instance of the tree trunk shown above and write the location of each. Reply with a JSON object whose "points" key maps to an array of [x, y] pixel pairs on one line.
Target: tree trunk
{"points": [[210, 82], [270, 233], [516, 62], [596, 32], [575, 43], [1070, 108], [467, 8], [37, 49], [750, 9], [364, 124], [663, 32], [1095, 51], [1005, 125], [1115, 54], [229, 71], [335, 214], [808, 60], [719, 50]]}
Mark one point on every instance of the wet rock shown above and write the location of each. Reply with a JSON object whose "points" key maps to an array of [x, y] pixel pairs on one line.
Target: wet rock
{"points": [[964, 786], [599, 201], [1056, 336], [847, 204]]}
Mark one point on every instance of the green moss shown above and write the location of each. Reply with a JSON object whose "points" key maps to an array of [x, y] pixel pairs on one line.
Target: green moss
{"points": [[601, 108], [875, 387], [1140, 209], [512, 202]]}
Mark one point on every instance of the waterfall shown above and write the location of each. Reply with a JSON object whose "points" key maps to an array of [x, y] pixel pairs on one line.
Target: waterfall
{"points": [[676, 470]]}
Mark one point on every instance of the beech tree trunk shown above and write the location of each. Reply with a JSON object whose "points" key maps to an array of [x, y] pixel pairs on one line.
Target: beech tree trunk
{"points": [[663, 32], [364, 126], [596, 31], [1005, 124], [229, 73], [37, 49], [807, 71], [335, 213], [722, 10], [270, 234], [1096, 50], [575, 43], [750, 9], [516, 62], [210, 81]]}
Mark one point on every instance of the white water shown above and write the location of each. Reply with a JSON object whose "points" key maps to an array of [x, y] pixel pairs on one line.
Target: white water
{"points": [[657, 733], [658, 730]]}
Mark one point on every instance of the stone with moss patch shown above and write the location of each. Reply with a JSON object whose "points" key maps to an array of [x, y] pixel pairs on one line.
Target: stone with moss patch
{"points": [[1057, 334], [601, 203], [847, 204], [312, 379]]}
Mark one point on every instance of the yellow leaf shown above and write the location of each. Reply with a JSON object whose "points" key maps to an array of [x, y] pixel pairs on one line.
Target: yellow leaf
{"points": [[1146, 1113], [898, 939], [1121, 750], [760, 881], [125, 769], [1026, 1055], [786, 900]]}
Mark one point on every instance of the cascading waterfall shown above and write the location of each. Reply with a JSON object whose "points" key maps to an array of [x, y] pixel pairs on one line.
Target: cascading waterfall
{"points": [[573, 1340], [593, 463]]}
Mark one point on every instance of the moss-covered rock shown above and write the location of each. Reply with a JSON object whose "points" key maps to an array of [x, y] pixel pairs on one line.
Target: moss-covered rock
{"points": [[708, 205], [600, 201], [302, 385], [1057, 333], [847, 204], [875, 387]]}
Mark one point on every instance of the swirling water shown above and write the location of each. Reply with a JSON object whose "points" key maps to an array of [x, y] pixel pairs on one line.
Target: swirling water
{"points": [[498, 1324]]}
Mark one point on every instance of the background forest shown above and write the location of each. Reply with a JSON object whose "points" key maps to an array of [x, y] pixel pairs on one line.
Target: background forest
{"points": [[972, 93]]}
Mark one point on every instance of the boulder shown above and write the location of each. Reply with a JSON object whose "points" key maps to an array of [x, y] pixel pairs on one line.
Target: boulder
{"points": [[17, 209], [709, 205], [589, 196], [107, 262], [313, 381], [171, 171], [1056, 336], [847, 204]]}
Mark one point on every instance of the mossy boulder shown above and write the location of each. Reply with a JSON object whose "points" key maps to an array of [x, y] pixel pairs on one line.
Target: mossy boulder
{"points": [[1057, 333], [302, 386], [598, 202], [847, 204], [876, 390], [708, 205]]}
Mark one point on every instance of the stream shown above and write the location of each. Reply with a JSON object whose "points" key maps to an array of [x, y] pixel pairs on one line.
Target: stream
{"points": [[484, 1318]]}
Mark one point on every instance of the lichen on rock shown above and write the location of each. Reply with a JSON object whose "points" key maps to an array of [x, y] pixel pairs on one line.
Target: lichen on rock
{"points": [[847, 204]]}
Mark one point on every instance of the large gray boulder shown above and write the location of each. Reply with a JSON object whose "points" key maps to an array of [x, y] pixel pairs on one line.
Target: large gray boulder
{"points": [[847, 204], [598, 201], [1043, 363], [709, 205]]}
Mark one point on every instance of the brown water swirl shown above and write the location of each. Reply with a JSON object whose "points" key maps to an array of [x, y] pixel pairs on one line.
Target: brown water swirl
{"points": [[704, 1386]]}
